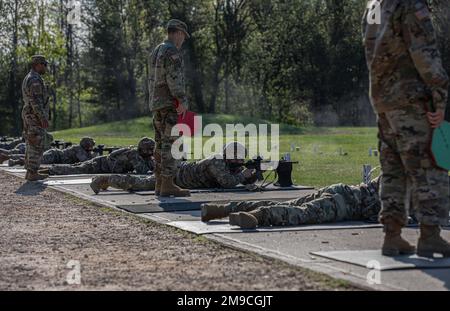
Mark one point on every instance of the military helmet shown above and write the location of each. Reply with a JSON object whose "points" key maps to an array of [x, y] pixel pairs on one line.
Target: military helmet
{"points": [[146, 146], [179, 25], [38, 59], [234, 151], [87, 143]]}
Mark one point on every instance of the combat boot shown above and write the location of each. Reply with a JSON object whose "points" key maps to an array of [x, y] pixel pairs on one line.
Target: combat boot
{"points": [[430, 242], [245, 220], [12, 162], [214, 211], [168, 188], [158, 181], [3, 158], [34, 176], [394, 244], [100, 183]]}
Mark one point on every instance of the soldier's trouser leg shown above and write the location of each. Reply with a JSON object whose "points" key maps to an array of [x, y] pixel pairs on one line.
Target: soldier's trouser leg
{"points": [[132, 183], [328, 208], [163, 122], [35, 141], [405, 137], [88, 167], [50, 157]]}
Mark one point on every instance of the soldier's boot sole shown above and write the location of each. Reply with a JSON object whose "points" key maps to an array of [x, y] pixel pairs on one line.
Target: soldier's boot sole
{"points": [[3, 158], [36, 177], [99, 183], [210, 212], [243, 220], [396, 245]]}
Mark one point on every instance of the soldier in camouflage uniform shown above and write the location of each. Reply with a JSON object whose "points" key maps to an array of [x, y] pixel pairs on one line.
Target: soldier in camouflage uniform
{"points": [[17, 152], [330, 204], [11, 144], [168, 99], [406, 74], [70, 155], [122, 161], [213, 172], [35, 115]]}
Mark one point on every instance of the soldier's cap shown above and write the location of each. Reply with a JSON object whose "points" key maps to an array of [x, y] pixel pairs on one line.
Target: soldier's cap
{"points": [[38, 59], [179, 25]]}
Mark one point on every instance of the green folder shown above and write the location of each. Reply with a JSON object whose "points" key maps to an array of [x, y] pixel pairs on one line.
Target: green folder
{"points": [[440, 145]]}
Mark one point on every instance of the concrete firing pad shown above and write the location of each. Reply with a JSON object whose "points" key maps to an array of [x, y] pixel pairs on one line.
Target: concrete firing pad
{"points": [[147, 202], [222, 226], [296, 247], [374, 260]]}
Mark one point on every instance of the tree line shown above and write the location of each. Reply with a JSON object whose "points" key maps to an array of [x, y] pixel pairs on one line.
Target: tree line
{"points": [[299, 62]]}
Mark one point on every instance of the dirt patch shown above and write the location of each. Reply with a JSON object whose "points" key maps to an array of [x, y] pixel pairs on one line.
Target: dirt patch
{"points": [[42, 230]]}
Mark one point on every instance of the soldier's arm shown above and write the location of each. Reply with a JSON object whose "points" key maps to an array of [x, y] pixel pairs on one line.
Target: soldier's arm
{"points": [[420, 38], [139, 164], [81, 154], [175, 77], [223, 176], [37, 99]]}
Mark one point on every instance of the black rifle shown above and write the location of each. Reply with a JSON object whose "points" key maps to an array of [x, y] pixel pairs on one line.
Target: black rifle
{"points": [[101, 149], [255, 164], [284, 170]]}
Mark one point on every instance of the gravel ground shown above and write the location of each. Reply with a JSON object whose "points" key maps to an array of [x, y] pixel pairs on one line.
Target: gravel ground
{"points": [[42, 230]]}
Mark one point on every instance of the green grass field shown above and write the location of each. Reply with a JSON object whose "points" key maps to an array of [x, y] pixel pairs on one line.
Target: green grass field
{"points": [[321, 162]]}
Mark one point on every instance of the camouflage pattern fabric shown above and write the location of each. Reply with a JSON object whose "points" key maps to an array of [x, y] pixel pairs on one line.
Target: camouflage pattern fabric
{"points": [[11, 145], [403, 57], [34, 112], [20, 149], [166, 77], [406, 73], [334, 203], [121, 161], [70, 155], [404, 155], [163, 122], [207, 173], [212, 172]]}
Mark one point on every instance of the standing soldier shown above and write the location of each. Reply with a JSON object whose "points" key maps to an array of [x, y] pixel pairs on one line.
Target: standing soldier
{"points": [[406, 75], [35, 115], [168, 99]]}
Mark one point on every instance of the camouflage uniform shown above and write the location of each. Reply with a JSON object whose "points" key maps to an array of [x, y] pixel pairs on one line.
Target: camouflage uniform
{"points": [[166, 85], [406, 73], [208, 173], [121, 161], [70, 155], [11, 145], [20, 149], [330, 204], [35, 110]]}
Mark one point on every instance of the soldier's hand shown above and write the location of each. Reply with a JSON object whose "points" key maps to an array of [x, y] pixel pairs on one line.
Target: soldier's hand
{"points": [[44, 124], [181, 109], [436, 118]]}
